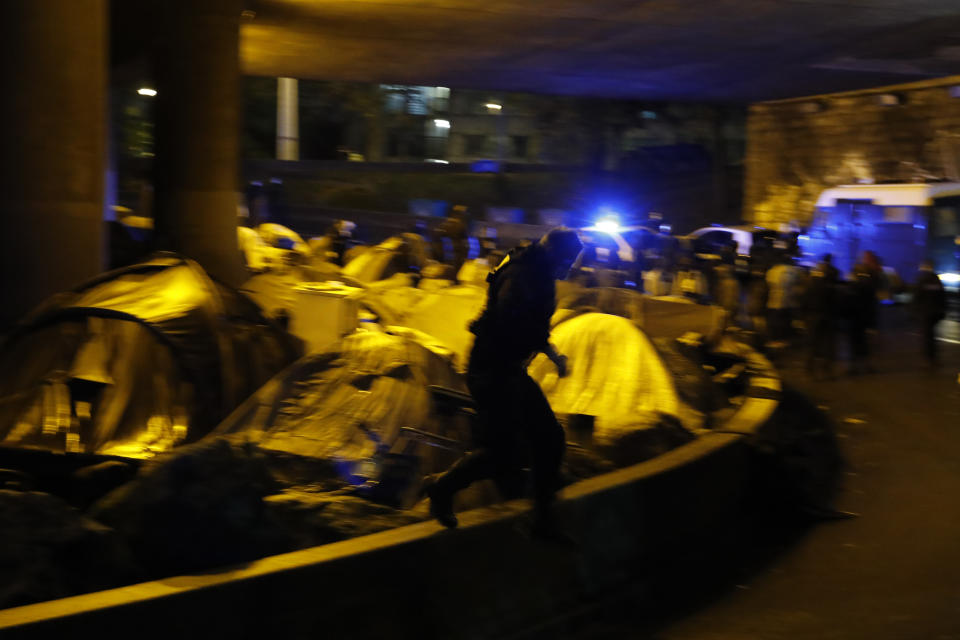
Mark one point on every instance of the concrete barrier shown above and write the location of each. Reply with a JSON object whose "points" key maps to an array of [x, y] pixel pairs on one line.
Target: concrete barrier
{"points": [[485, 579]]}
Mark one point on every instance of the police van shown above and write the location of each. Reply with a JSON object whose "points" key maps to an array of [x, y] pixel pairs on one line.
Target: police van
{"points": [[902, 223]]}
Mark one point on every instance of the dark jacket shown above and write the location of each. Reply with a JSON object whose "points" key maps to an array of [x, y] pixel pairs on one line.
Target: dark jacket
{"points": [[930, 299], [820, 296], [515, 324], [863, 306]]}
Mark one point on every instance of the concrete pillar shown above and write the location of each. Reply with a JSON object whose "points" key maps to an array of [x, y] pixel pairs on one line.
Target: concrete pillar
{"points": [[288, 122], [53, 67], [197, 134]]}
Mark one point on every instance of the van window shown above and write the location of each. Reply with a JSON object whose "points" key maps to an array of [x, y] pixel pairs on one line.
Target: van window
{"points": [[945, 223], [713, 241], [898, 214]]}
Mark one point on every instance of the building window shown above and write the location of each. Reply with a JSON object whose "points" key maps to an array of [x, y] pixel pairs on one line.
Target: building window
{"points": [[436, 147], [395, 99], [394, 144], [475, 144], [415, 100], [518, 146], [440, 99]]}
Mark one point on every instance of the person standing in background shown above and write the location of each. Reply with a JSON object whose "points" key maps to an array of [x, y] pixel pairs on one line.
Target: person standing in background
{"points": [[930, 303], [819, 310]]}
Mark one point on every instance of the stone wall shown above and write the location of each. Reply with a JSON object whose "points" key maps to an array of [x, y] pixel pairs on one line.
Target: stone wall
{"points": [[798, 147]]}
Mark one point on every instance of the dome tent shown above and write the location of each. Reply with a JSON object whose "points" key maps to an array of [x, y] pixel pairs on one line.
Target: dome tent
{"points": [[135, 361]]}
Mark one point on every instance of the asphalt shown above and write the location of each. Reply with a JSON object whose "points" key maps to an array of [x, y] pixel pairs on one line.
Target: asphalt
{"points": [[891, 572]]}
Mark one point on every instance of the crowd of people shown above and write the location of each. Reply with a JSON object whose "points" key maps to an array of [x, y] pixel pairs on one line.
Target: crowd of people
{"points": [[814, 310]]}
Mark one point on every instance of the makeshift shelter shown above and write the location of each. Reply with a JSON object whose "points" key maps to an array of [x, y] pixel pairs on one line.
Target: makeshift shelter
{"points": [[619, 398], [444, 313], [135, 361], [361, 406], [614, 370], [399, 254]]}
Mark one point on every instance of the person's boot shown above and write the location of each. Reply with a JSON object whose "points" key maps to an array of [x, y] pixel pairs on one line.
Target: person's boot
{"points": [[441, 501]]}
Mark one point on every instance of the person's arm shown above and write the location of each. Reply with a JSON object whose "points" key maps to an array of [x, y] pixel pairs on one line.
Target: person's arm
{"points": [[558, 359], [532, 317]]}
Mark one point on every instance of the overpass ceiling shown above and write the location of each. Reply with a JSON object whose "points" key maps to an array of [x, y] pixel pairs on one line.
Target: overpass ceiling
{"points": [[711, 50]]}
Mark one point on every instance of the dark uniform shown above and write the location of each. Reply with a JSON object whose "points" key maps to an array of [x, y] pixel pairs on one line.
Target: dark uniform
{"points": [[516, 423], [819, 305], [930, 300], [450, 243], [861, 307]]}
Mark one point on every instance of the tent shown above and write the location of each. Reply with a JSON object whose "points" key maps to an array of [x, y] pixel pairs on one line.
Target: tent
{"points": [[135, 361], [365, 407]]}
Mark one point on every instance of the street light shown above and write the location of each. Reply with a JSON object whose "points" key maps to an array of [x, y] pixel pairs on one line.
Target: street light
{"points": [[147, 91]]}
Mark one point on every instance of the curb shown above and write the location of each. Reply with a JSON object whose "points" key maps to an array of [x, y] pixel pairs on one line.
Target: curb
{"points": [[482, 580]]}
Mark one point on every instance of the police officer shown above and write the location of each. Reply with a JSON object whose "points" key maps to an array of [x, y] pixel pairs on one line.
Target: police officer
{"points": [[450, 242], [930, 300], [819, 304], [513, 414]]}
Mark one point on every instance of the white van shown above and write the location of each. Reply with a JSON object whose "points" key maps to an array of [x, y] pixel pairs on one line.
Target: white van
{"points": [[902, 223]]}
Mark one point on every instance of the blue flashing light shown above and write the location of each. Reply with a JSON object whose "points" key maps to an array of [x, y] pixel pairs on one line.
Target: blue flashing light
{"points": [[607, 225], [485, 166], [608, 220]]}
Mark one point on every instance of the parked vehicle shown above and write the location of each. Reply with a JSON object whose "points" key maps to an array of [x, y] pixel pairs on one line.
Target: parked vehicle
{"points": [[617, 247], [902, 223], [711, 241]]}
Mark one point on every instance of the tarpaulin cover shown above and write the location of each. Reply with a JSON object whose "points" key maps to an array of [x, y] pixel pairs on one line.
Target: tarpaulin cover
{"points": [[658, 317], [159, 336], [397, 254], [338, 405], [614, 373], [443, 313]]}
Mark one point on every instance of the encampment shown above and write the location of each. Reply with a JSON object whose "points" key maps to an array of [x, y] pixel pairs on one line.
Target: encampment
{"points": [[135, 361]]}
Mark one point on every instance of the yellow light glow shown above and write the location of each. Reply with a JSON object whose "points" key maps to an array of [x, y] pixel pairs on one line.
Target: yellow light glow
{"points": [[493, 106], [147, 91]]}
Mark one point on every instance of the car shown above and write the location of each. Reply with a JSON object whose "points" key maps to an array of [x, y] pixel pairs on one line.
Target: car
{"points": [[615, 247], [750, 242]]}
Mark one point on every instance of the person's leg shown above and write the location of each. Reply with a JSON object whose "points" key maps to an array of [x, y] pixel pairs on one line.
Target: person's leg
{"points": [[491, 452], [829, 347], [857, 335], [930, 341], [546, 442], [773, 326]]}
